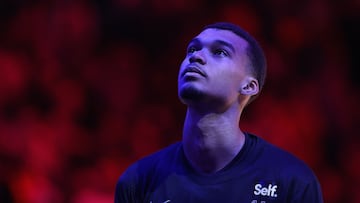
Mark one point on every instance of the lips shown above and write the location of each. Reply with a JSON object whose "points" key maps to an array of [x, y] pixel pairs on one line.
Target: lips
{"points": [[193, 69]]}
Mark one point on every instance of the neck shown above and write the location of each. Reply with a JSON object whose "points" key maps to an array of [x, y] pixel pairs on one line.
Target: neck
{"points": [[212, 139]]}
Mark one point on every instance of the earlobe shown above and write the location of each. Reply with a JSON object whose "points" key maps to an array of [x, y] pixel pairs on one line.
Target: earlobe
{"points": [[250, 87]]}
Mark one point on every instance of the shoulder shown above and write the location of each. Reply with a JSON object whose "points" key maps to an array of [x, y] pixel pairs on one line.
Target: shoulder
{"points": [[275, 158], [292, 173], [151, 163], [144, 173], [163, 156]]}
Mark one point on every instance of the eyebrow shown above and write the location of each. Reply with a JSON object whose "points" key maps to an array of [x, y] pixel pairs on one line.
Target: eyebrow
{"points": [[221, 42]]}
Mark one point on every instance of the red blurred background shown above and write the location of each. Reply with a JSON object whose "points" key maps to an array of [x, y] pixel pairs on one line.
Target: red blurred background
{"points": [[89, 86]]}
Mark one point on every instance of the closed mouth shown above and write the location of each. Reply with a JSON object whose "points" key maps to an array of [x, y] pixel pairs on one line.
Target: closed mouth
{"points": [[194, 69]]}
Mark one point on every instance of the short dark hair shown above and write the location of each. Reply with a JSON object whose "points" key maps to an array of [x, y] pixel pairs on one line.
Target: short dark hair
{"points": [[254, 51]]}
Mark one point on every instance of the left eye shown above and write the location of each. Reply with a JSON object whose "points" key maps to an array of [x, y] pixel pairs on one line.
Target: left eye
{"points": [[220, 52]]}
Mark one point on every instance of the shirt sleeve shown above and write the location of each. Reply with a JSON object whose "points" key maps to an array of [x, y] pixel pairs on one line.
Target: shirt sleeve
{"points": [[307, 191]]}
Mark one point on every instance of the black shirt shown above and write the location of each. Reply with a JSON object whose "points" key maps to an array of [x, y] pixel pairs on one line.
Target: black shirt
{"points": [[260, 173]]}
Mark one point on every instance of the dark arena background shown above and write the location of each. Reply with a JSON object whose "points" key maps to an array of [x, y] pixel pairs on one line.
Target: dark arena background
{"points": [[89, 86]]}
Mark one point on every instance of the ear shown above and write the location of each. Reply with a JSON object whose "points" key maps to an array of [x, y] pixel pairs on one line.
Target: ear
{"points": [[250, 86]]}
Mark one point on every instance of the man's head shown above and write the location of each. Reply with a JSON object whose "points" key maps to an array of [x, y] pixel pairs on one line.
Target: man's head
{"points": [[254, 51], [221, 61]]}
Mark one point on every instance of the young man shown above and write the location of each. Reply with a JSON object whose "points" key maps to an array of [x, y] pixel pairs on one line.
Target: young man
{"points": [[224, 69]]}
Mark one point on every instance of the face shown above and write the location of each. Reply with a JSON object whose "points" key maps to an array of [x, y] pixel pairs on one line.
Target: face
{"points": [[214, 68]]}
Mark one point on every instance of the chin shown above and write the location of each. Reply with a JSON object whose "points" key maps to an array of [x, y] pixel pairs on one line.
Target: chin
{"points": [[190, 94]]}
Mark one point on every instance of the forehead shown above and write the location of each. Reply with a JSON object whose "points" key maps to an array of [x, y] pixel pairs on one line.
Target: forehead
{"points": [[212, 34]]}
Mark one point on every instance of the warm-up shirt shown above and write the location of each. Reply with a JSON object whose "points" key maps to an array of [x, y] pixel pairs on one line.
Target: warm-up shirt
{"points": [[260, 173]]}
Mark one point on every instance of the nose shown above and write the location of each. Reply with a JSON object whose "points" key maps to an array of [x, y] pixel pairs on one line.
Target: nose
{"points": [[198, 57]]}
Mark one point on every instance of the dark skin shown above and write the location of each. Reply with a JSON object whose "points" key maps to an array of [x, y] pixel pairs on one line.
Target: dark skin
{"points": [[215, 83]]}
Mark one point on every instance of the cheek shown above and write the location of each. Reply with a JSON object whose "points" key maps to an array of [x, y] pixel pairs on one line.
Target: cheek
{"points": [[233, 78], [182, 66], [231, 71]]}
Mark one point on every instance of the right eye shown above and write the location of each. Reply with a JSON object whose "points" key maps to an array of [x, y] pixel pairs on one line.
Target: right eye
{"points": [[191, 50]]}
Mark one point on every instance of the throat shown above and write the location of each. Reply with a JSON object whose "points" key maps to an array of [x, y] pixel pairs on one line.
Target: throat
{"points": [[212, 140], [213, 149]]}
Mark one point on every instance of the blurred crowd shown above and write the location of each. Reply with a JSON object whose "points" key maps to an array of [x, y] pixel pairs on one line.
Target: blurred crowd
{"points": [[89, 86]]}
